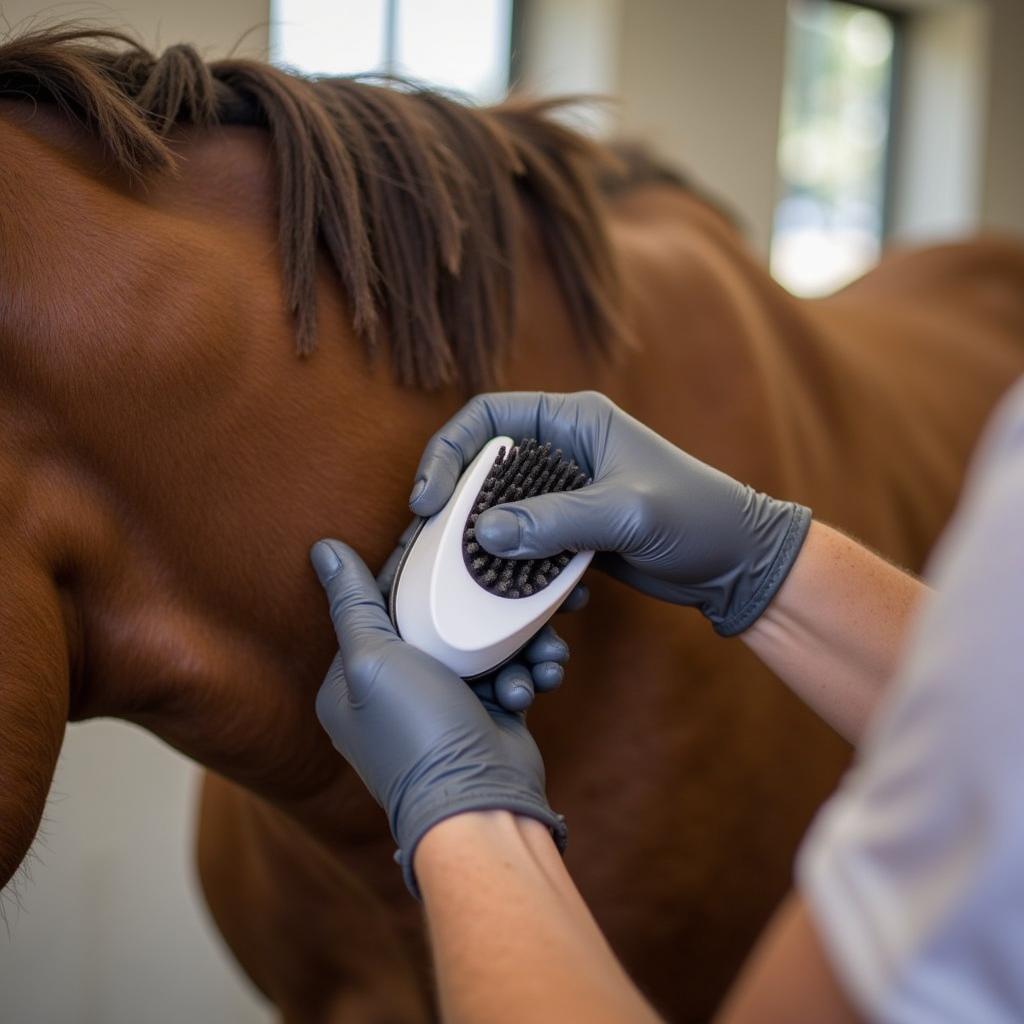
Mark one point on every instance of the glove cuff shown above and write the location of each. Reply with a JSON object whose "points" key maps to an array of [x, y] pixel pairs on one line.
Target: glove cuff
{"points": [[775, 575], [482, 800]]}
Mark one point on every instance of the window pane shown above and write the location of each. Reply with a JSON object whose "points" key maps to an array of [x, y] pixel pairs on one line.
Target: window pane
{"points": [[328, 37], [457, 44], [833, 144]]}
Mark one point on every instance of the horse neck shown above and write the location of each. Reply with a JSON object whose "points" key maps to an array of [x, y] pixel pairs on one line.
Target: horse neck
{"points": [[189, 457], [200, 458]]}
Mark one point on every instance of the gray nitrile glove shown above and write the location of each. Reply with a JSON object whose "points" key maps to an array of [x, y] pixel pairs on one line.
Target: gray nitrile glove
{"points": [[426, 746], [677, 528]]}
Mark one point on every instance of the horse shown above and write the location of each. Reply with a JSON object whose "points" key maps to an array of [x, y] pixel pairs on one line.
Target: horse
{"points": [[234, 303]]}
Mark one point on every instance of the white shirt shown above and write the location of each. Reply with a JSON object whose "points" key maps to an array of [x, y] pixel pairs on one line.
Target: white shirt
{"points": [[914, 869]]}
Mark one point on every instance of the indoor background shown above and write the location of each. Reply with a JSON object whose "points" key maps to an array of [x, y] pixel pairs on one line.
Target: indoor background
{"points": [[830, 128]]}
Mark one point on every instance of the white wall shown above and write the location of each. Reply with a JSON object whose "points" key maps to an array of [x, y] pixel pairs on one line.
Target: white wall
{"points": [[108, 926]]}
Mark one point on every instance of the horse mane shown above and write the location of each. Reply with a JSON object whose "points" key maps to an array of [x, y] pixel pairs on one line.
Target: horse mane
{"points": [[413, 197]]}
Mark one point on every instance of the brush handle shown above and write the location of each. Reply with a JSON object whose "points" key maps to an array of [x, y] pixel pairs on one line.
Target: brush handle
{"points": [[440, 608]]}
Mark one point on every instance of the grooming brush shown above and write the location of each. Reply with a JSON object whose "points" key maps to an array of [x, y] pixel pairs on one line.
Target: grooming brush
{"points": [[469, 609]]}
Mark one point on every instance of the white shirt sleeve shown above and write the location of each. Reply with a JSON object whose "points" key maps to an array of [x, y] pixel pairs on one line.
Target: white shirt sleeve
{"points": [[914, 869]]}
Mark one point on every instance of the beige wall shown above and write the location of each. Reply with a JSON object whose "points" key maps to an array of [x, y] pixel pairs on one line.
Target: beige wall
{"points": [[961, 128], [216, 26], [700, 79], [1002, 204], [941, 123], [572, 47], [703, 80]]}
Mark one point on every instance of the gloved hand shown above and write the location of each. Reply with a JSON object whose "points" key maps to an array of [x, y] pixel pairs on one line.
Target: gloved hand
{"points": [[678, 529], [538, 668], [426, 746]]}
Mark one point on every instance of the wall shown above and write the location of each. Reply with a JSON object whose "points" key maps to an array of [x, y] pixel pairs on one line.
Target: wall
{"points": [[702, 79], [1002, 204], [571, 47], [940, 126], [960, 157], [108, 926], [216, 26]]}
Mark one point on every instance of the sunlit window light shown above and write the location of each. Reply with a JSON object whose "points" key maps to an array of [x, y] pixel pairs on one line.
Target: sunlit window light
{"points": [[458, 44], [833, 145], [463, 45], [329, 37]]}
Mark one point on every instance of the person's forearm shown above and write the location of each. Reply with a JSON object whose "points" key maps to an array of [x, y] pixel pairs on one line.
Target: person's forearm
{"points": [[512, 938], [789, 976], [835, 629]]}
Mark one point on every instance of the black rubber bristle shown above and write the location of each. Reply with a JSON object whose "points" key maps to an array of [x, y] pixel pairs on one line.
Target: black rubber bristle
{"points": [[526, 470]]}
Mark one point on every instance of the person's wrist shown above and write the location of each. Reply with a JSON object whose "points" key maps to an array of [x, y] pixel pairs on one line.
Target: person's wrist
{"points": [[473, 828], [475, 835], [439, 805]]}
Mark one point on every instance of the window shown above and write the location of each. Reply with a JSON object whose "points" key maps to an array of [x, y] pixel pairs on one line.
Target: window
{"points": [[834, 143], [456, 44]]}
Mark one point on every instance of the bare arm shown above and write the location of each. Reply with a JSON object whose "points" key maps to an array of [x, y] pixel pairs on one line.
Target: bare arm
{"points": [[835, 629], [512, 938], [788, 978]]}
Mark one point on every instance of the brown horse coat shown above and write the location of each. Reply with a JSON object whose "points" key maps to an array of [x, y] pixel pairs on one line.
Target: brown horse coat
{"points": [[167, 459]]}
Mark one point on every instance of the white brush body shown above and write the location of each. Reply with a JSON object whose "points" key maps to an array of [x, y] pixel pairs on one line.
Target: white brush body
{"points": [[438, 607]]}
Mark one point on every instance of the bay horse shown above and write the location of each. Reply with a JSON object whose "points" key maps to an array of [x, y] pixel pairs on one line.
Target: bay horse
{"points": [[234, 303]]}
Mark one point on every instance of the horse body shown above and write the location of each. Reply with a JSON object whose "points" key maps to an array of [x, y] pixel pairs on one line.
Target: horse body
{"points": [[168, 460], [687, 772]]}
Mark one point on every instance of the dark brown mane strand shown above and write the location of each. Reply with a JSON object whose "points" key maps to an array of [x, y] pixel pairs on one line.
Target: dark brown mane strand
{"points": [[414, 198]]}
